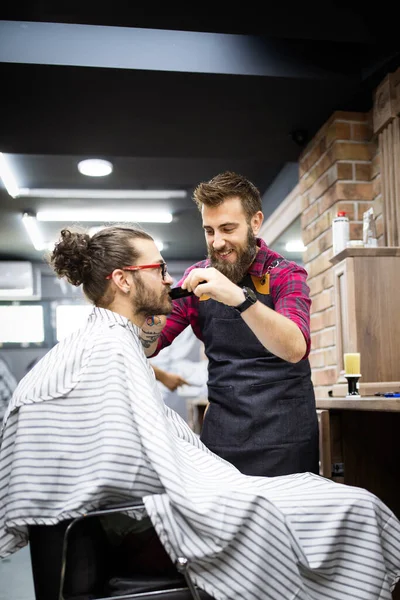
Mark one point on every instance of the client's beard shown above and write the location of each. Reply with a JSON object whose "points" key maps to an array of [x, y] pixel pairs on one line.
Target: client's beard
{"points": [[245, 256], [149, 303]]}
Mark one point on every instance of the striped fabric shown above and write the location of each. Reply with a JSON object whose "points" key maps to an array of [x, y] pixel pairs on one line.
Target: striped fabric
{"points": [[87, 428], [8, 384]]}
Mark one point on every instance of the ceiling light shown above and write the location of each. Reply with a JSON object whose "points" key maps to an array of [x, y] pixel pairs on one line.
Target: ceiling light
{"points": [[8, 177], [12, 188], [101, 194], [95, 167], [295, 246], [34, 232], [103, 216]]}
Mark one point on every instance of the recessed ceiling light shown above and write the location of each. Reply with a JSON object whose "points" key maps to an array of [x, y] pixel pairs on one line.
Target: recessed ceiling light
{"points": [[95, 167]]}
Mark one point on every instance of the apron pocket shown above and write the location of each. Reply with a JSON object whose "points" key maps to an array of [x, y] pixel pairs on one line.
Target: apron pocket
{"points": [[282, 413], [228, 421]]}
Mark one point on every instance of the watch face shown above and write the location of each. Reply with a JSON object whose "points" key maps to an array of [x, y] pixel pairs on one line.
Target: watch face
{"points": [[250, 294]]}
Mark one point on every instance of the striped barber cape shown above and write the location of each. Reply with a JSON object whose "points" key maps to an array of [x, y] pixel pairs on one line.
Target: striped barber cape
{"points": [[87, 428]]}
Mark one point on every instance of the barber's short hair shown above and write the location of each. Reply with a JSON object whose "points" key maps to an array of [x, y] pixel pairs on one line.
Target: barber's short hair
{"points": [[227, 185]]}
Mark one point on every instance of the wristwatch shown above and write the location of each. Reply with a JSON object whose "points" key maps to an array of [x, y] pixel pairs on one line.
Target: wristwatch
{"points": [[250, 299]]}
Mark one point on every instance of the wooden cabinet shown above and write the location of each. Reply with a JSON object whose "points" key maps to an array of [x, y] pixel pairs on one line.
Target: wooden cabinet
{"points": [[367, 300], [364, 445]]}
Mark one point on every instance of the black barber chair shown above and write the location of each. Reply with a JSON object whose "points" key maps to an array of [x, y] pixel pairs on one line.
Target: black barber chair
{"points": [[73, 560]]}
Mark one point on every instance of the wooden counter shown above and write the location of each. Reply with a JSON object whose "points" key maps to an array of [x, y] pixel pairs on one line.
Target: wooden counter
{"points": [[374, 403], [363, 446], [360, 445]]}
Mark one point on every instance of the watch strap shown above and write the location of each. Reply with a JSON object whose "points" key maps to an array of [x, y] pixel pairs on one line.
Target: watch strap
{"points": [[250, 299]]}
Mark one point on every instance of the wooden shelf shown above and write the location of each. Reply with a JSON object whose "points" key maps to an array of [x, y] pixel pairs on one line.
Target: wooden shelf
{"points": [[365, 252]]}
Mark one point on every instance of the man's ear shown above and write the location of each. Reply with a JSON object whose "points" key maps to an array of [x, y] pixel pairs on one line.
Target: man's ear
{"points": [[120, 280], [257, 221]]}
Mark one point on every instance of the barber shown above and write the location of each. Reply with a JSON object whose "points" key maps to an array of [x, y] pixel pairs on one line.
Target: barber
{"points": [[251, 308]]}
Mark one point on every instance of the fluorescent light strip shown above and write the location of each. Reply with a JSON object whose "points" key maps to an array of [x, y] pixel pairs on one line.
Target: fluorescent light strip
{"points": [[8, 178], [295, 246], [34, 232], [102, 194], [102, 216], [92, 230]]}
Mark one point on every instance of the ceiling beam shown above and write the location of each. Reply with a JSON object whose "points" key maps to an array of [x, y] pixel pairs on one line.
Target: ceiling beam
{"points": [[67, 44]]}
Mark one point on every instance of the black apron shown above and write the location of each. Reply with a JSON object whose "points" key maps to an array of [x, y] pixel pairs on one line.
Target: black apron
{"points": [[262, 415]]}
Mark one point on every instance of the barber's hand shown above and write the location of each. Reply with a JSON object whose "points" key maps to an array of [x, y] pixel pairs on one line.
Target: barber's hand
{"points": [[172, 381], [213, 283]]}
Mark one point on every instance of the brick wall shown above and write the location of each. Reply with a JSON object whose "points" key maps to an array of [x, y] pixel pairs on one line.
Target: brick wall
{"points": [[339, 170]]}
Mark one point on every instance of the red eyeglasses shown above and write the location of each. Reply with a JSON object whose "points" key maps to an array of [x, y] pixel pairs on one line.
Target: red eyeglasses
{"points": [[162, 266]]}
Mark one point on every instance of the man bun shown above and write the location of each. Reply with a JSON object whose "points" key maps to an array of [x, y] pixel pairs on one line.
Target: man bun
{"points": [[71, 257]]}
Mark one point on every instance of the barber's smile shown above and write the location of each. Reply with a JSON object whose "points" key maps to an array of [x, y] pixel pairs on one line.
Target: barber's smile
{"points": [[224, 255]]}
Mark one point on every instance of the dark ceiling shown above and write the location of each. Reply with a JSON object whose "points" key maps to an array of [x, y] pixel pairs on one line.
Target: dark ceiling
{"points": [[173, 100]]}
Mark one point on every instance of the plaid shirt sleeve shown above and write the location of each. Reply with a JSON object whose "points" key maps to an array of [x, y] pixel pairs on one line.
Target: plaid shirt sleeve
{"points": [[177, 321], [289, 292], [291, 296], [185, 312]]}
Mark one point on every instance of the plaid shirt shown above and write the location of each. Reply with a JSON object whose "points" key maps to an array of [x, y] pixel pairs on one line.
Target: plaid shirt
{"points": [[288, 289]]}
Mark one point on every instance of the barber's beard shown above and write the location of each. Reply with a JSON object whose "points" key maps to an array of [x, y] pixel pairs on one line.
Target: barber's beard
{"points": [[245, 256], [148, 302]]}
